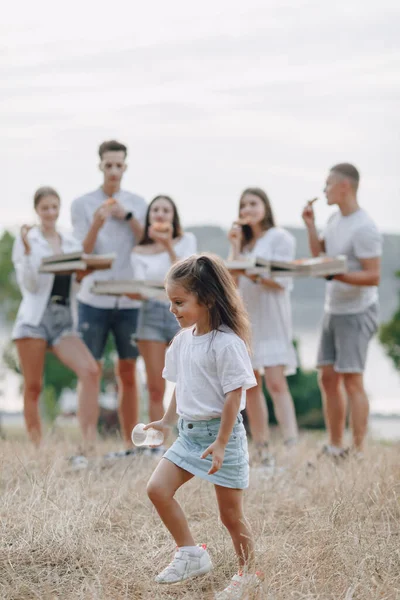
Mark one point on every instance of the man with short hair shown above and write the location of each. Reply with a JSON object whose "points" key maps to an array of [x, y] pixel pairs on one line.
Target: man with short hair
{"points": [[351, 305], [107, 220]]}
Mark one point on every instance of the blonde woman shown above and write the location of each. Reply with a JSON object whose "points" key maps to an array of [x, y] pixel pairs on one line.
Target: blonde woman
{"points": [[44, 320]]}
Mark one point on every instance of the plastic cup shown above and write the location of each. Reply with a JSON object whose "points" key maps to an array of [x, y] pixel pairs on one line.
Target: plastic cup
{"points": [[150, 437]]}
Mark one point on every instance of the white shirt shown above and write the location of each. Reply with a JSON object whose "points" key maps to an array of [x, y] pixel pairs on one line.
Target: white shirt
{"points": [[155, 266], [205, 368], [270, 309], [36, 287], [357, 237], [115, 236]]}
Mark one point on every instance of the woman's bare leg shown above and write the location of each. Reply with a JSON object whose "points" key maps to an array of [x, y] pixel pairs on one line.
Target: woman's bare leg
{"points": [[73, 353], [32, 353], [278, 389]]}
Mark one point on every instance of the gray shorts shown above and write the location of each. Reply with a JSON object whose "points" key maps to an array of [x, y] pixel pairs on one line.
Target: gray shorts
{"points": [[56, 323], [156, 323], [344, 340]]}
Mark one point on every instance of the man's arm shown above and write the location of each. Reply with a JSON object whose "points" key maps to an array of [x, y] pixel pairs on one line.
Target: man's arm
{"points": [[120, 212], [369, 275], [316, 244], [137, 228], [90, 239], [84, 231]]}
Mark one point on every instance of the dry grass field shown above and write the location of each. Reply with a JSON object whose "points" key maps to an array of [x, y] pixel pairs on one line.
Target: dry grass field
{"points": [[327, 531]]}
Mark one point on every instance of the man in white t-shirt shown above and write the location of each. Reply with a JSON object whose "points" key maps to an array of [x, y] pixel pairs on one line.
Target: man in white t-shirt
{"points": [[351, 305], [107, 220]]}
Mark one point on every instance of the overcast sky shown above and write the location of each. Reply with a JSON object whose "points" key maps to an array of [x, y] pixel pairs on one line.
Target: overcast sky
{"points": [[210, 97]]}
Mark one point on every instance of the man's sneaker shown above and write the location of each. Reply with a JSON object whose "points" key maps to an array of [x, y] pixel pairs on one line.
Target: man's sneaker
{"points": [[78, 463], [334, 452], [156, 453], [240, 587], [263, 457], [186, 565], [121, 454]]}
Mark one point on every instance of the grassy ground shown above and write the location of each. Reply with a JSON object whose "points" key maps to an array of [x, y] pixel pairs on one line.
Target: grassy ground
{"points": [[327, 531]]}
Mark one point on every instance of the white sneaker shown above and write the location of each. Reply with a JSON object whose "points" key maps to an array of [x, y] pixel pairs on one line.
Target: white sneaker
{"points": [[240, 587], [186, 565], [78, 463]]}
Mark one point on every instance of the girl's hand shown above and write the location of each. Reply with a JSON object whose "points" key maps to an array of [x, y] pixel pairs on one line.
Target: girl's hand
{"points": [[218, 452], [159, 426], [25, 229]]}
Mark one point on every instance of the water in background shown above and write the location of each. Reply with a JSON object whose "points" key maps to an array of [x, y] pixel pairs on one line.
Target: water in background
{"points": [[381, 378]]}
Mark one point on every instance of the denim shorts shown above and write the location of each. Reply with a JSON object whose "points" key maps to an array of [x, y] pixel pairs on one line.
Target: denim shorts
{"points": [[95, 324], [156, 323], [56, 323], [195, 437]]}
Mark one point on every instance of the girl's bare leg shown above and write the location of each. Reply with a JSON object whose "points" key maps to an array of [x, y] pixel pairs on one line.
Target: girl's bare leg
{"points": [[161, 489], [230, 502]]}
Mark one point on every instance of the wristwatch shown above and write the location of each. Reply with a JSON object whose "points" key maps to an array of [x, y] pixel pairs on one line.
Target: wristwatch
{"points": [[128, 216], [329, 277]]}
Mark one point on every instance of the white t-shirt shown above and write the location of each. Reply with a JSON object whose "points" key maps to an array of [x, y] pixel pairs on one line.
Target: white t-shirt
{"points": [[115, 236], [357, 237], [269, 309], [155, 266], [205, 368]]}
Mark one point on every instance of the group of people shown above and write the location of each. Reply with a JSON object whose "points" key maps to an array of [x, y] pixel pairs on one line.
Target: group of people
{"points": [[236, 330]]}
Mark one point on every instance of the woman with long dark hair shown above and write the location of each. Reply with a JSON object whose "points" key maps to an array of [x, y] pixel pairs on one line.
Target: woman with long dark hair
{"points": [[163, 243], [255, 234]]}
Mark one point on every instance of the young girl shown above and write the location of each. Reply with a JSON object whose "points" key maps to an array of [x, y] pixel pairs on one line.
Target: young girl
{"points": [[210, 364], [44, 317], [268, 304], [163, 244]]}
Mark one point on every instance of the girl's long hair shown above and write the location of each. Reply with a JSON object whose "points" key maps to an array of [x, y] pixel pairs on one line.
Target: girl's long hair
{"points": [[176, 224], [268, 220], [206, 276]]}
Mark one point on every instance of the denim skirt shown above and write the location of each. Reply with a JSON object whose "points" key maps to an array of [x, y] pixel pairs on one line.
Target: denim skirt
{"points": [[195, 437]]}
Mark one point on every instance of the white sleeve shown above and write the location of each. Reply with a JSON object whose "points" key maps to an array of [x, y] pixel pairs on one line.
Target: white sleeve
{"points": [[367, 242], [170, 371], [138, 266], [26, 267], [187, 246], [79, 220], [284, 249], [139, 212], [234, 367]]}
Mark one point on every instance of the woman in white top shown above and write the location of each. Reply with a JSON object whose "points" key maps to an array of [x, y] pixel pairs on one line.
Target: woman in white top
{"points": [[44, 318], [163, 243], [268, 304]]}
